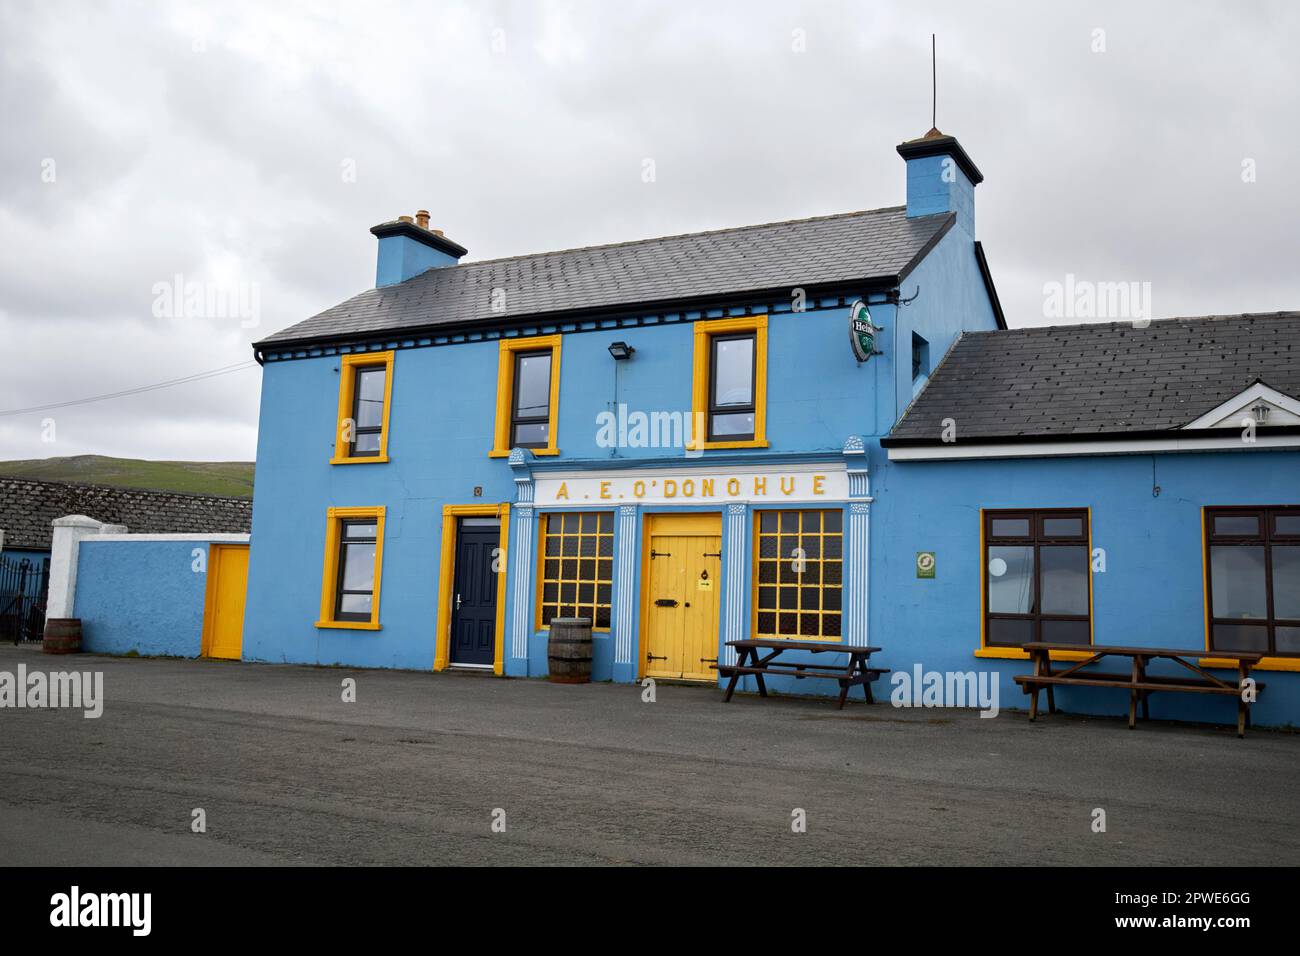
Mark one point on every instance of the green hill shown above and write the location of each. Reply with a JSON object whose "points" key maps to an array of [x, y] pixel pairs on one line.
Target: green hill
{"points": [[196, 477]]}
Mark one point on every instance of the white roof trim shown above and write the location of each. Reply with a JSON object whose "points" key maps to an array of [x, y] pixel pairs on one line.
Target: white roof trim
{"points": [[1116, 446], [1240, 403]]}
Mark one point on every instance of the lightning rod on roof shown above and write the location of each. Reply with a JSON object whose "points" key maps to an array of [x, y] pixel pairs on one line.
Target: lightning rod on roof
{"points": [[934, 87]]}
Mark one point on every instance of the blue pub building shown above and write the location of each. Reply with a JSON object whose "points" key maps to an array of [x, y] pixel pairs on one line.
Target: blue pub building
{"points": [[810, 430]]}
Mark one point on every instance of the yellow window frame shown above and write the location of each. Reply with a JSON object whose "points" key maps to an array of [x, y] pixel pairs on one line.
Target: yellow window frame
{"points": [[447, 580], [543, 529], [821, 559], [506, 392], [348, 368], [704, 334], [329, 576], [1016, 653]]}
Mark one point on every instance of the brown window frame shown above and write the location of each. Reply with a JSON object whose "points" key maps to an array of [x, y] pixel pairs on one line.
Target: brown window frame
{"points": [[1266, 538], [1036, 539]]}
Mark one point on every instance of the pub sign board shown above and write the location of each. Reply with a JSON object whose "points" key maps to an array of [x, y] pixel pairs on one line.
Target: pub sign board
{"points": [[862, 331]]}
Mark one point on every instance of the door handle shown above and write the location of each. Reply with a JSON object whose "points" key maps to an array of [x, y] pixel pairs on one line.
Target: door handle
{"points": [[458, 600], [666, 602]]}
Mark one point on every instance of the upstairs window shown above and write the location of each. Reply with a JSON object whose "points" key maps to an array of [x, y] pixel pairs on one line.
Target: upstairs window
{"points": [[920, 358], [368, 410], [365, 389], [731, 388], [1253, 577], [530, 417], [528, 395], [1037, 577], [730, 383]]}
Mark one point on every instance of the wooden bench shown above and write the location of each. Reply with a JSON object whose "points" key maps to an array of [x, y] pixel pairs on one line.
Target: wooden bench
{"points": [[1137, 682], [856, 671]]}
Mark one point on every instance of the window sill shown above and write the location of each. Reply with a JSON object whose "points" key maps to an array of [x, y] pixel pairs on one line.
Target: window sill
{"points": [[539, 452], [350, 625], [368, 460], [1016, 654], [1266, 664], [709, 445]]}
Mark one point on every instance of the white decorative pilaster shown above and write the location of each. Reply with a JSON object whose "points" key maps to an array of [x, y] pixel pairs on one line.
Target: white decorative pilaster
{"points": [[857, 539], [625, 573], [735, 621], [855, 464], [520, 459], [69, 532], [857, 580], [522, 618]]}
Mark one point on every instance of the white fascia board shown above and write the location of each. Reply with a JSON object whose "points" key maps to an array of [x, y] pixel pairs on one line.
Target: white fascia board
{"points": [[1119, 446]]}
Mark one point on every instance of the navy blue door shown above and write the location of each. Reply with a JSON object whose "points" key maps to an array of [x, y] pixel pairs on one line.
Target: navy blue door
{"points": [[474, 600]]}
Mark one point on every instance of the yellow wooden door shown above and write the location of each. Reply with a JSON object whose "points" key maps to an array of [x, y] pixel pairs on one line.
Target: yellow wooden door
{"points": [[223, 618], [684, 563]]}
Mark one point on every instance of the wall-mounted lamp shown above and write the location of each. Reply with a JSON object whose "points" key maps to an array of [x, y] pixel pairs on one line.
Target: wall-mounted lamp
{"points": [[621, 351], [1260, 410]]}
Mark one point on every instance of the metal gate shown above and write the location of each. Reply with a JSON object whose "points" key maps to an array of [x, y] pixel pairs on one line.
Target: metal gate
{"points": [[23, 587]]}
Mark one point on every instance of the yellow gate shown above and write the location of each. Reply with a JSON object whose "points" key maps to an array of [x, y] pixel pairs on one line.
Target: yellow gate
{"points": [[683, 564]]}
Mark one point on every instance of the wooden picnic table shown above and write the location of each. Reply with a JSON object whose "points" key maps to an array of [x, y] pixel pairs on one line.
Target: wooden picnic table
{"points": [[855, 671], [1137, 681]]}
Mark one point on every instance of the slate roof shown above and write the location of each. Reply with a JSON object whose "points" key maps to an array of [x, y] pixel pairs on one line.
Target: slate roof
{"points": [[27, 507], [875, 245], [1101, 379]]}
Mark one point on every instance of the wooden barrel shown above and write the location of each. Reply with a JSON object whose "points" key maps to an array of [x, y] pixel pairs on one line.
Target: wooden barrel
{"points": [[62, 635], [569, 651]]}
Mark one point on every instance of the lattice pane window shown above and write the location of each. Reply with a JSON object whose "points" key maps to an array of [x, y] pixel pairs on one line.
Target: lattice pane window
{"points": [[577, 567], [799, 558]]}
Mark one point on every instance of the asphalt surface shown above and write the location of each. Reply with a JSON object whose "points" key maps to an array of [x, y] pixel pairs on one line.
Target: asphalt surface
{"points": [[413, 771]]}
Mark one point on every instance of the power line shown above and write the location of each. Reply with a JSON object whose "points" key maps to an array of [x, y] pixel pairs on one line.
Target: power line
{"points": [[184, 380]]}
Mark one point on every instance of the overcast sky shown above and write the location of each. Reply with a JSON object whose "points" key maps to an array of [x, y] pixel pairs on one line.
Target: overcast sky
{"points": [[250, 146]]}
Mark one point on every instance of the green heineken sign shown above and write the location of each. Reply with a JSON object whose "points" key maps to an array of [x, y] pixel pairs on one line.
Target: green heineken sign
{"points": [[862, 333]]}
